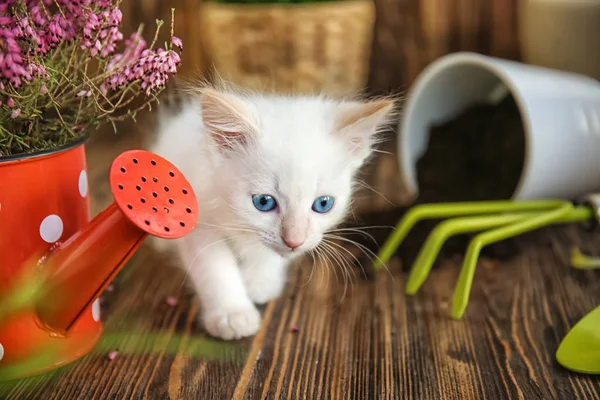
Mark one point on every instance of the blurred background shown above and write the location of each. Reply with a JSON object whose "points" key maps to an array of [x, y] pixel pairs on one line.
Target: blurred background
{"points": [[394, 39]]}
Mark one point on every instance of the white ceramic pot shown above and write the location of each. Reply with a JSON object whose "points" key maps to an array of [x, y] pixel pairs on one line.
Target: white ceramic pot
{"points": [[560, 112]]}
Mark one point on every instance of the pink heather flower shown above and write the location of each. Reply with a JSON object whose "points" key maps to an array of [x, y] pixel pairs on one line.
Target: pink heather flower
{"points": [[112, 355], [16, 112], [37, 15], [26, 37], [172, 301], [100, 30], [134, 47], [177, 42], [116, 16], [36, 70], [11, 61], [152, 68]]}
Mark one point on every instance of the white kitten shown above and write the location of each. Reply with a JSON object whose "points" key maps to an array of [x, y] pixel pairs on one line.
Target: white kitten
{"points": [[272, 174]]}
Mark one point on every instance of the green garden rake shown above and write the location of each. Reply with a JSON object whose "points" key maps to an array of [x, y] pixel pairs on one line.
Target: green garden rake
{"points": [[496, 220]]}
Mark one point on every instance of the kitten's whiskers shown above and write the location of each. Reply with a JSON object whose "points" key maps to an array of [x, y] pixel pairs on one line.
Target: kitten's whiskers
{"points": [[336, 258], [339, 246], [366, 185], [368, 252], [312, 270]]}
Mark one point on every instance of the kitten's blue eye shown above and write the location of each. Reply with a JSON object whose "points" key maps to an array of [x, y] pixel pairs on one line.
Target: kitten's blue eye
{"points": [[322, 204], [264, 202]]}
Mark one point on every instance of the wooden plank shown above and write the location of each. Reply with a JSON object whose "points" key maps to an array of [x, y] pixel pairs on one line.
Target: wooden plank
{"points": [[410, 34]]}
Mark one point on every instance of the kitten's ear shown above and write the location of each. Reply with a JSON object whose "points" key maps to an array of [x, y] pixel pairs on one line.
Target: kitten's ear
{"points": [[358, 123], [227, 119]]}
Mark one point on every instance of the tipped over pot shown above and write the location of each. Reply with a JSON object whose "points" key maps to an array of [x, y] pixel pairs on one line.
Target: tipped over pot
{"points": [[545, 145]]}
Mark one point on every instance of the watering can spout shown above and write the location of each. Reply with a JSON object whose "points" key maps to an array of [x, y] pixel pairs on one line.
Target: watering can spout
{"points": [[150, 197]]}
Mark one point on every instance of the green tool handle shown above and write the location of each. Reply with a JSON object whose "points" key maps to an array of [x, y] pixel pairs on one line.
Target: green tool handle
{"points": [[445, 210], [564, 214]]}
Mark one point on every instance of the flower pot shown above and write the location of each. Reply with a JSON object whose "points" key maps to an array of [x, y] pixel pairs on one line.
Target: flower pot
{"points": [[43, 199], [301, 48], [561, 34], [559, 114]]}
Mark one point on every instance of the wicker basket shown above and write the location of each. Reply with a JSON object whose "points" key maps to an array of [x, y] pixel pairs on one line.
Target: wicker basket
{"points": [[301, 48]]}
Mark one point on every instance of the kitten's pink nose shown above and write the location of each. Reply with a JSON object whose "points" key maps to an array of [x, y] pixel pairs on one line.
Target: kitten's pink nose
{"points": [[293, 243]]}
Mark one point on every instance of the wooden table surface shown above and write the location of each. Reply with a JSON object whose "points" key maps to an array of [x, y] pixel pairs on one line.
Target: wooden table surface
{"points": [[321, 342]]}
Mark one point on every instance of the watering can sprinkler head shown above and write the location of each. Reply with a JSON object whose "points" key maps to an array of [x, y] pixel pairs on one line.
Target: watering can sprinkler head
{"points": [[151, 196]]}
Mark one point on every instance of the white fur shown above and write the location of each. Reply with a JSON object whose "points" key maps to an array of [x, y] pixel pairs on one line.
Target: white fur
{"points": [[295, 151]]}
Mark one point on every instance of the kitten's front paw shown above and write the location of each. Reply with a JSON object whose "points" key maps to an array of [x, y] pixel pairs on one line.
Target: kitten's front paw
{"points": [[232, 324], [261, 291]]}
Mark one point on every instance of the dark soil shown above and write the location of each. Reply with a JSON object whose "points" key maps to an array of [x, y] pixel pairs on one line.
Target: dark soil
{"points": [[477, 156]]}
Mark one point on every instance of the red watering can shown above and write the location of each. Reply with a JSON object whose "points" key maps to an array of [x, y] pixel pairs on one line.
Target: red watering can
{"points": [[52, 272]]}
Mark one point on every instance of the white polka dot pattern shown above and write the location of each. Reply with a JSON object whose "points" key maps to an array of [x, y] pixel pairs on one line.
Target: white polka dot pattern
{"points": [[83, 184], [96, 310], [51, 228]]}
